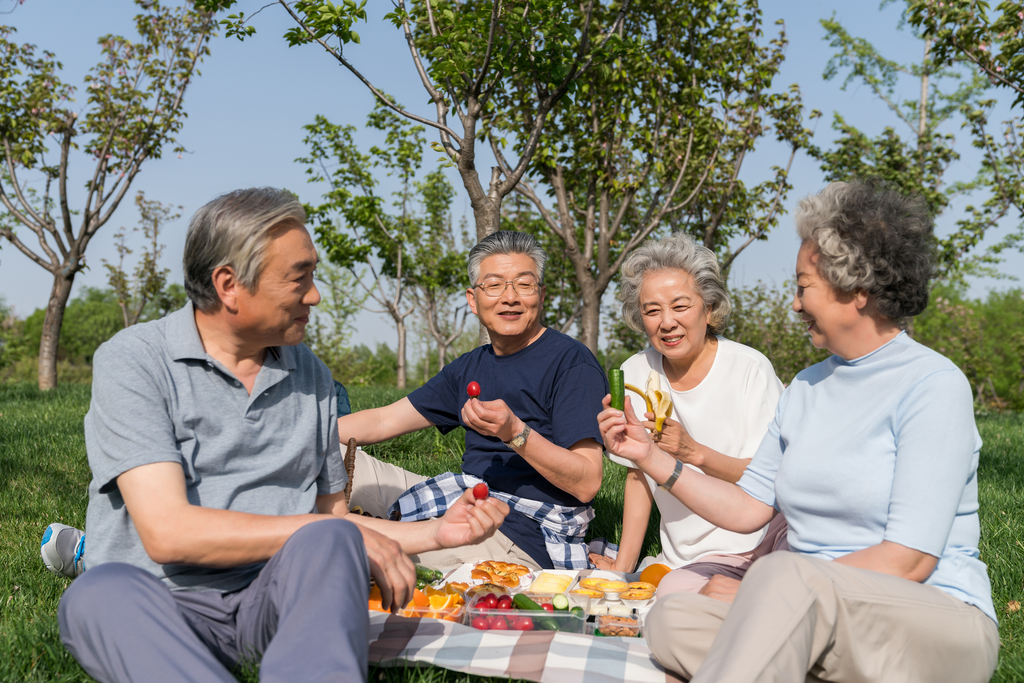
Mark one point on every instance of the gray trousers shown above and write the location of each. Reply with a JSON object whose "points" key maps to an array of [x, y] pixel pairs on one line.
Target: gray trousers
{"points": [[799, 618], [305, 613]]}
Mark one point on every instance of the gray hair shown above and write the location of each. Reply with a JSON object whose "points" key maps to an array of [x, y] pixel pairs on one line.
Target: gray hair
{"points": [[872, 238], [234, 230], [676, 252], [506, 242]]}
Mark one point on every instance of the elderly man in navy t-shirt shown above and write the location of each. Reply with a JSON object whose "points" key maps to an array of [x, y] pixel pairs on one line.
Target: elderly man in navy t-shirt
{"points": [[531, 435]]}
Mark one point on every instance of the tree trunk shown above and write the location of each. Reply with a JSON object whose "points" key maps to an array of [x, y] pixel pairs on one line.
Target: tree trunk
{"points": [[59, 295], [400, 324], [590, 317], [487, 216], [442, 351]]}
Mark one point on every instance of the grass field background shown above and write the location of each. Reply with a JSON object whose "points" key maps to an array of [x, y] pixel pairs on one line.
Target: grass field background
{"points": [[44, 475]]}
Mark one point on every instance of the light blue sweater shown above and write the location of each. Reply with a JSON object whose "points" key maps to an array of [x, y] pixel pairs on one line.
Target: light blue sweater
{"points": [[882, 447]]}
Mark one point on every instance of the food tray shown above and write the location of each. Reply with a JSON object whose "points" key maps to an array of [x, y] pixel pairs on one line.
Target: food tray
{"points": [[456, 614], [615, 626], [571, 573], [464, 575], [542, 621]]}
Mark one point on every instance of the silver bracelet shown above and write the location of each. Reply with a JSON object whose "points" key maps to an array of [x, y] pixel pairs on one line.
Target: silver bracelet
{"points": [[674, 477]]}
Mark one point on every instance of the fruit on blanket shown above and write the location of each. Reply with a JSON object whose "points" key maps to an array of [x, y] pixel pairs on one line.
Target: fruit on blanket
{"points": [[481, 622], [497, 623], [505, 602], [473, 389], [654, 573], [490, 601], [480, 491], [419, 599], [548, 607]]}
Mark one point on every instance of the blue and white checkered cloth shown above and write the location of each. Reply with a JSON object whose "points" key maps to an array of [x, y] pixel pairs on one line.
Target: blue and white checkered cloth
{"points": [[563, 527]]}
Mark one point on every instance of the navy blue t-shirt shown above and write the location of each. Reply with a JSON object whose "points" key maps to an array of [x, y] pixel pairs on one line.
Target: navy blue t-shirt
{"points": [[555, 385]]}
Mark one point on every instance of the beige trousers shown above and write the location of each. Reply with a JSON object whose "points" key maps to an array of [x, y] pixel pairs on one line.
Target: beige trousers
{"points": [[377, 485], [798, 618]]}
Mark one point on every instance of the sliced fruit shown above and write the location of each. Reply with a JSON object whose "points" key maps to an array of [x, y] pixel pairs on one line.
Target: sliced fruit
{"points": [[439, 602]]}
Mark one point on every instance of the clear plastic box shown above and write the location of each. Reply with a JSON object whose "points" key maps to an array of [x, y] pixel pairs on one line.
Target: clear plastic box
{"points": [[622, 627], [570, 622]]}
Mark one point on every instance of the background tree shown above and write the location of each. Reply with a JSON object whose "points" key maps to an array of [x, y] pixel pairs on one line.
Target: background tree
{"points": [[134, 108], [948, 93], [439, 278], [149, 281], [967, 31], [352, 224], [466, 52], [656, 142]]}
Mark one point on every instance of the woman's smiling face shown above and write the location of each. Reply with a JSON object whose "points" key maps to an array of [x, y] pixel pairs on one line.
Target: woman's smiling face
{"points": [[674, 316]]}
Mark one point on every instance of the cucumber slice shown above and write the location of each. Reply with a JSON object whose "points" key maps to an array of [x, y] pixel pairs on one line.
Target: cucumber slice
{"points": [[560, 602]]}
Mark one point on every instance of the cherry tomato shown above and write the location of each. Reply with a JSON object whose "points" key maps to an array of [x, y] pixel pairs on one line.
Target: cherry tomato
{"points": [[482, 609], [524, 624], [473, 389], [481, 622], [490, 601], [480, 491], [548, 606], [504, 602], [497, 623]]}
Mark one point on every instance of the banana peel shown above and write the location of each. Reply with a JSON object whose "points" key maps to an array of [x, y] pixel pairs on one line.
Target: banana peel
{"points": [[658, 402]]}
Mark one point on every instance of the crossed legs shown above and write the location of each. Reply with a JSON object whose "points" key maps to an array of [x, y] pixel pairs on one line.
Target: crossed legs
{"points": [[305, 613], [798, 618]]}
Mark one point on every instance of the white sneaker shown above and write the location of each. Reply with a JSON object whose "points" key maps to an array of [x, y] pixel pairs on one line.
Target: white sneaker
{"points": [[63, 550]]}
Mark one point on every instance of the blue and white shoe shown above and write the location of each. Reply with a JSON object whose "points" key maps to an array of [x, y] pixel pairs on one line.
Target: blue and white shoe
{"points": [[63, 550]]}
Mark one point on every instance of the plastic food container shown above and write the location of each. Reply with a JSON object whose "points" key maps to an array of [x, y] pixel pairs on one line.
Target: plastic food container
{"points": [[456, 614], [570, 622], [616, 626]]}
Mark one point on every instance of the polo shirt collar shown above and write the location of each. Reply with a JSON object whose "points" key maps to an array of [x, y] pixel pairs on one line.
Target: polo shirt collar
{"points": [[184, 342]]}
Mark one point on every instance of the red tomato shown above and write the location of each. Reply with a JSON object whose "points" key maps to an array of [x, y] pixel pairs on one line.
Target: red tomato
{"points": [[480, 491], [481, 623], [490, 601], [473, 389], [482, 609], [504, 602], [497, 623], [548, 606], [524, 624]]}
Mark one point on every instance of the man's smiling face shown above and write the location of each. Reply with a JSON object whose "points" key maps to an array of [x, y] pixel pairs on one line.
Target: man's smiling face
{"points": [[510, 317], [278, 311]]}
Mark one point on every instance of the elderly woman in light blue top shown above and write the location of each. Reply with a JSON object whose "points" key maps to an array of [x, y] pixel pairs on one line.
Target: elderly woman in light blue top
{"points": [[872, 457]]}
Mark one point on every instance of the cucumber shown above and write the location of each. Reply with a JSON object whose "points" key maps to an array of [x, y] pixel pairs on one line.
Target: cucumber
{"points": [[617, 382], [427, 575], [577, 610], [523, 602], [560, 602]]}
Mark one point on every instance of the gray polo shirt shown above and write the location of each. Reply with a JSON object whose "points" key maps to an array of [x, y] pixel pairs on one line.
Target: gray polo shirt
{"points": [[157, 396]]}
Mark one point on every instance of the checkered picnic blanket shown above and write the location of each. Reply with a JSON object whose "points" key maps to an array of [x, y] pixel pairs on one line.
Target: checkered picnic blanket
{"points": [[543, 656]]}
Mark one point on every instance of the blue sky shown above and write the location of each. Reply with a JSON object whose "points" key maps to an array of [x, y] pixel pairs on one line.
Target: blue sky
{"points": [[247, 109]]}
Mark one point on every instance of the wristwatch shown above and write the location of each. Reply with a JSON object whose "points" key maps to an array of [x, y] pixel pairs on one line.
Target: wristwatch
{"points": [[519, 439], [667, 486]]}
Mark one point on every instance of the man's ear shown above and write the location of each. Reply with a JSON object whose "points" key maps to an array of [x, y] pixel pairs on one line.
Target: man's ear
{"points": [[861, 298], [227, 285], [471, 300]]}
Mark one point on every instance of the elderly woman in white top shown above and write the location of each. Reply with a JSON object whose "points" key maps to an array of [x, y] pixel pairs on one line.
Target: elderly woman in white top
{"points": [[723, 397], [873, 458]]}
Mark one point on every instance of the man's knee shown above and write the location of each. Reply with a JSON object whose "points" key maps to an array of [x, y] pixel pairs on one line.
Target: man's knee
{"points": [[325, 544]]}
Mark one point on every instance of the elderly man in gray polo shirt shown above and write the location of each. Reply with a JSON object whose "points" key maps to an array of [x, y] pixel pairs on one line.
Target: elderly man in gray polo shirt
{"points": [[218, 526]]}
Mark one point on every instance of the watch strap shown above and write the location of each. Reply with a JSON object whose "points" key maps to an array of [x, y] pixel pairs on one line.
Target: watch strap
{"points": [[670, 482], [519, 439]]}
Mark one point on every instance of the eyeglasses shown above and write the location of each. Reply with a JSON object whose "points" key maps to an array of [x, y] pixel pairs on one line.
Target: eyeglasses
{"points": [[522, 286]]}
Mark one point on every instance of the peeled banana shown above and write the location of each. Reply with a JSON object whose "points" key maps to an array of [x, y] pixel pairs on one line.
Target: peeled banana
{"points": [[658, 402]]}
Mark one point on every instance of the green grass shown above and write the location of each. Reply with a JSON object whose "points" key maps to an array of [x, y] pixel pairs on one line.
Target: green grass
{"points": [[44, 475]]}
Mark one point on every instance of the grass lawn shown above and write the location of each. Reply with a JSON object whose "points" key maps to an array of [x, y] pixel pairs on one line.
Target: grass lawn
{"points": [[44, 475]]}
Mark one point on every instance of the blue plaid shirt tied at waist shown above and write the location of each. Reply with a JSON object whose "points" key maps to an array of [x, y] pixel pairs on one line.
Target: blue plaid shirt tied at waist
{"points": [[563, 527]]}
